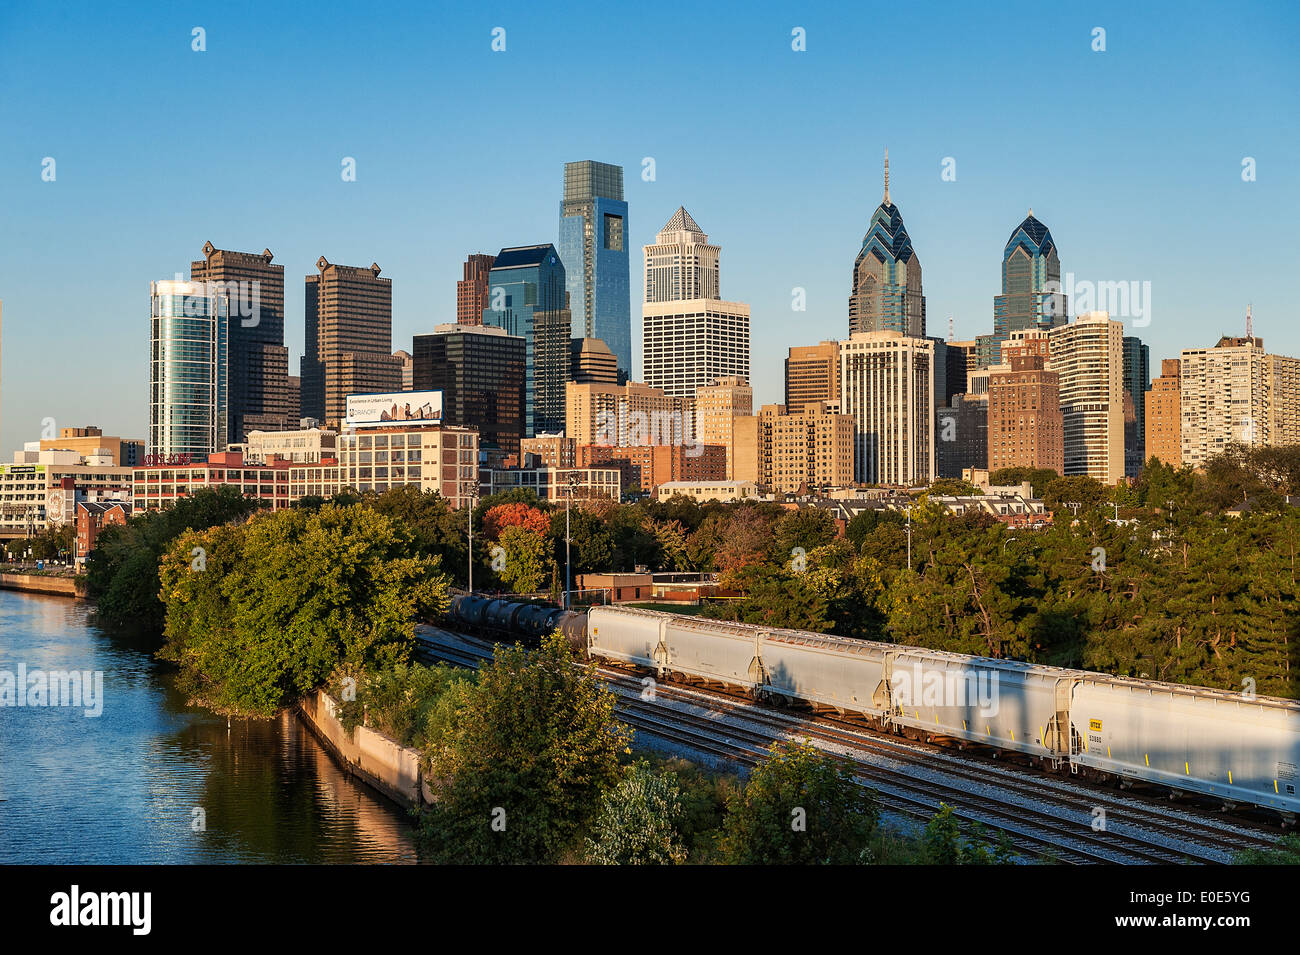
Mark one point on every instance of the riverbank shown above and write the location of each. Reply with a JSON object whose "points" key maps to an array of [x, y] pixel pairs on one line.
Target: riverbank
{"points": [[156, 780], [49, 584], [380, 762]]}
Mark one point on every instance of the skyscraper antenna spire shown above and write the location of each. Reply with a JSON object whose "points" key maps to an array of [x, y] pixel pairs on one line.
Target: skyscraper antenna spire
{"points": [[1250, 326], [886, 175]]}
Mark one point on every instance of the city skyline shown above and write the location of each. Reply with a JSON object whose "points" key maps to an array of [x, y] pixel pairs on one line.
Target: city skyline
{"points": [[1129, 193]]}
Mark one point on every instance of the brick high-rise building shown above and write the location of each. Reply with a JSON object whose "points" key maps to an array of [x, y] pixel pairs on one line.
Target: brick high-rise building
{"points": [[126, 452], [716, 408], [812, 373], [645, 467], [472, 290], [552, 450], [408, 368], [257, 378], [811, 449], [1025, 424], [1025, 343], [1163, 433], [349, 316], [622, 415]]}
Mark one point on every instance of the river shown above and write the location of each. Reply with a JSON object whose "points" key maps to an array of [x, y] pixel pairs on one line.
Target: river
{"points": [[154, 780]]}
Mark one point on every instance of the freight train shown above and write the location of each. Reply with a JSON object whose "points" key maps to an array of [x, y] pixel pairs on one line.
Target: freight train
{"points": [[1240, 748]]}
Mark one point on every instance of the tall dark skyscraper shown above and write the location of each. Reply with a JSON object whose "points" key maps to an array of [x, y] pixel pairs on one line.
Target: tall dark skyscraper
{"points": [[480, 370], [593, 247], [1137, 382], [887, 294], [349, 314], [1031, 283], [258, 392], [527, 297]]}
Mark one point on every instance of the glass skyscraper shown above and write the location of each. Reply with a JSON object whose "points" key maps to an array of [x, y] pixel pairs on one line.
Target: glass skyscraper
{"points": [[188, 401], [887, 294], [527, 297], [1031, 286], [593, 247], [1137, 382]]}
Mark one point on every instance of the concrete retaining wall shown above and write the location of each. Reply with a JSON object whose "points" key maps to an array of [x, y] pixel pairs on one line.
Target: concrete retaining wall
{"points": [[39, 584], [381, 762]]}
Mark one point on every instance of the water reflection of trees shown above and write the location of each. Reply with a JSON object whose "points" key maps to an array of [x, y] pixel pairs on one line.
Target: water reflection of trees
{"points": [[272, 794]]}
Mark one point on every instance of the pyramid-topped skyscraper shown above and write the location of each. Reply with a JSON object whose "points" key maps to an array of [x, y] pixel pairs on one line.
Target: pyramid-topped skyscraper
{"points": [[1031, 282], [681, 264], [887, 292], [690, 338]]}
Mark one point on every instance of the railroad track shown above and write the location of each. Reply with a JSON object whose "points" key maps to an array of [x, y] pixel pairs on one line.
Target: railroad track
{"points": [[1042, 816]]}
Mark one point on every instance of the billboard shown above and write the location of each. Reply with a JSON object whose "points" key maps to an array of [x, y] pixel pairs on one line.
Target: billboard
{"points": [[394, 408]]}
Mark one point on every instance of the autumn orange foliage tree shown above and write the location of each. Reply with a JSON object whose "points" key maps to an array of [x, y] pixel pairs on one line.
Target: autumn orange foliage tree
{"points": [[514, 514]]}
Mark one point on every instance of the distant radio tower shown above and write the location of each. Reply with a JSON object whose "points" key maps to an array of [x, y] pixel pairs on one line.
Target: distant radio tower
{"points": [[950, 334], [1250, 328]]}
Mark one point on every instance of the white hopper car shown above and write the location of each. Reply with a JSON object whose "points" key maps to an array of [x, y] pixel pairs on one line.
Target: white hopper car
{"points": [[1193, 739]]}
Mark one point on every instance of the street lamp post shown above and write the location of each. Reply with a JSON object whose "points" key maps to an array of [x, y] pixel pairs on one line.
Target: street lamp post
{"points": [[568, 566], [473, 499], [909, 537]]}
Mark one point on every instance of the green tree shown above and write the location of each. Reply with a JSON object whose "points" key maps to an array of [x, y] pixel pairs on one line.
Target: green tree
{"points": [[640, 821], [398, 701], [521, 758], [1063, 494], [259, 614], [671, 537], [800, 807], [123, 568], [773, 598], [1039, 478], [942, 843], [807, 527], [526, 567], [954, 487], [864, 524], [436, 528]]}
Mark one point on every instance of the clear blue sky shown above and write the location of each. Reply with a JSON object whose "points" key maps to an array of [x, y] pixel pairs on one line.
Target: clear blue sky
{"points": [[1132, 157]]}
